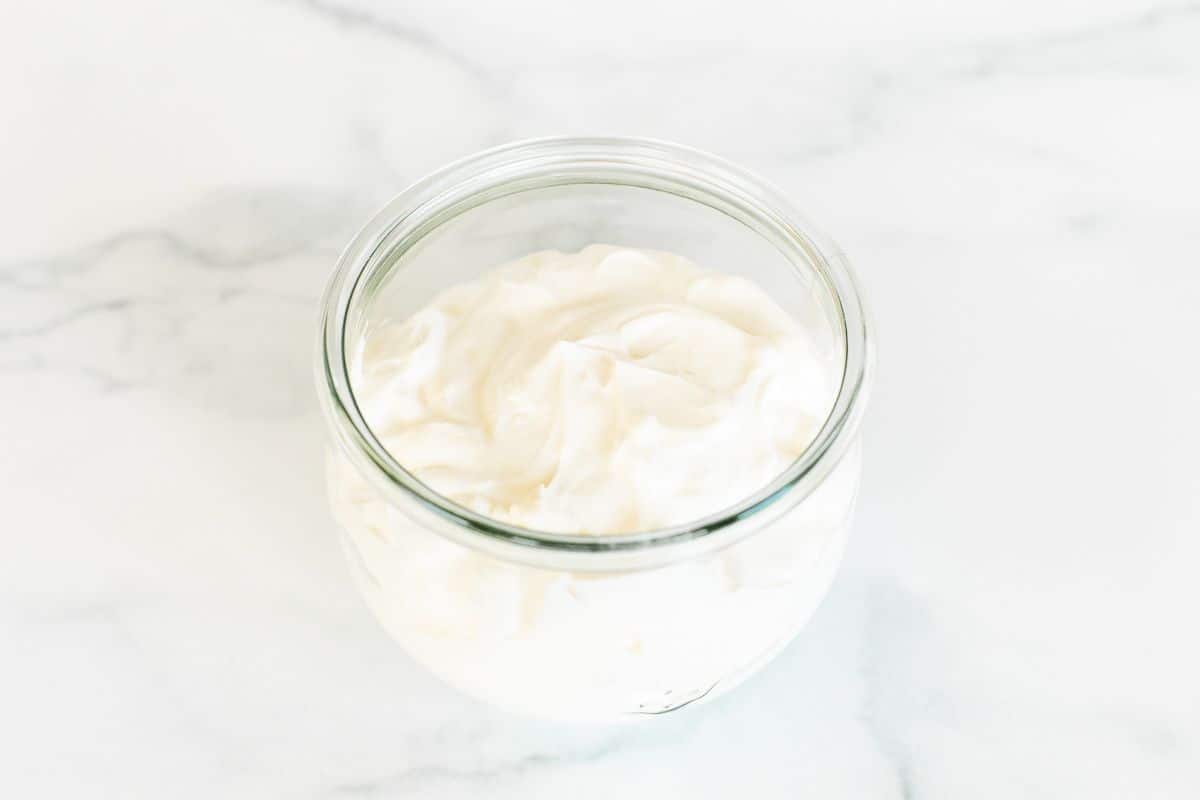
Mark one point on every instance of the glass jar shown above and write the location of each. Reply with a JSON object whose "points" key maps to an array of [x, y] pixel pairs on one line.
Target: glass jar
{"points": [[575, 626]]}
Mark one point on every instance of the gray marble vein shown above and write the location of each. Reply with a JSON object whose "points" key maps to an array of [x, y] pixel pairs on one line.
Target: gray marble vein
{"points": [[349, 17]]}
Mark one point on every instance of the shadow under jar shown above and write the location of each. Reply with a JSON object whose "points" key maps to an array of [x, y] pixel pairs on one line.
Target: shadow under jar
{"points": [[575, 626]]}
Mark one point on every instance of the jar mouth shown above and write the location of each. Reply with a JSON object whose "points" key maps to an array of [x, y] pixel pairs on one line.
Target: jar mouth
{"points": [[538, 163]]}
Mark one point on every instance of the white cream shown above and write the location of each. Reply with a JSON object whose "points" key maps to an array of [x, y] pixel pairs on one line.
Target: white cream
{"points": [[600, 392], [604, 391]]}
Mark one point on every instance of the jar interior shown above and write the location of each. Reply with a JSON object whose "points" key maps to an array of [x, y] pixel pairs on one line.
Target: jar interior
{"points": [[463, 242]]}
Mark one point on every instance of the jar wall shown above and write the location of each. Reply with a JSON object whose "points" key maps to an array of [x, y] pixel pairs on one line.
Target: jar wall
{"points": [[571, 217], [584, 645], [540, 628]]}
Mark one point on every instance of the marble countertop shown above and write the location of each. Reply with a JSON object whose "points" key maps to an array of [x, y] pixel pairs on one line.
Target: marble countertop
{"points": [[1016, 184]]}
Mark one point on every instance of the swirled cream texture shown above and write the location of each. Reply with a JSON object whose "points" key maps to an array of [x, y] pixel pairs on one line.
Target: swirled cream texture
{"points": [[600, 392]]}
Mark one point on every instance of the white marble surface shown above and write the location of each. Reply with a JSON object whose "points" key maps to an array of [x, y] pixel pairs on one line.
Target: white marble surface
{"points": [[1016, 183]]}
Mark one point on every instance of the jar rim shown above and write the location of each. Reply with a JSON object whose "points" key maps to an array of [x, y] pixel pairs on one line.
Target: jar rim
{"points": [[432, 201]]}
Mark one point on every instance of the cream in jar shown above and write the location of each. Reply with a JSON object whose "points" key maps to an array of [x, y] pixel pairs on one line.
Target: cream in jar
{"points": [[602, 392]]}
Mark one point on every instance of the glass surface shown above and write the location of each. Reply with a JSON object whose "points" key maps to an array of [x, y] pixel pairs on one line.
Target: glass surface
{"points": [[575, 626], [568, 218]]}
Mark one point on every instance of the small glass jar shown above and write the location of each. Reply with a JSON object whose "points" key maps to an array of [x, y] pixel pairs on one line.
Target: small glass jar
{"points": [[576, 626]]}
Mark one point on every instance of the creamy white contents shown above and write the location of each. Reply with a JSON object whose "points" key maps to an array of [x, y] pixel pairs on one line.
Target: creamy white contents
{"points": [[600, 392], [604, 391]]}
